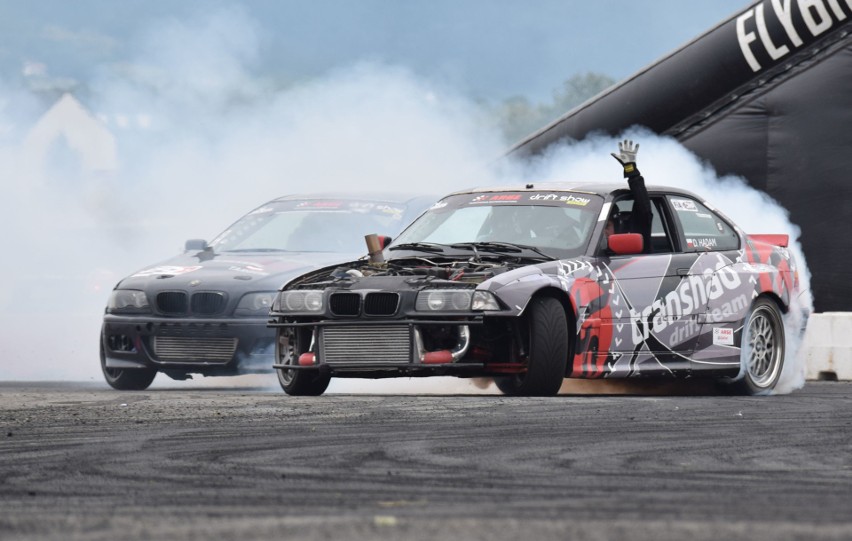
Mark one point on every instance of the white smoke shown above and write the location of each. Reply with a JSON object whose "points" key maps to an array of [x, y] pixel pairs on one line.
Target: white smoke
{"points": [[202, 138]]}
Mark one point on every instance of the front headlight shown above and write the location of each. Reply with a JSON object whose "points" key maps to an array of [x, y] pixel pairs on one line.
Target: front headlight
{"points": [[255, 304], [443, 300], [128, 301], [299, 301], [485, 300], [455, 300]]}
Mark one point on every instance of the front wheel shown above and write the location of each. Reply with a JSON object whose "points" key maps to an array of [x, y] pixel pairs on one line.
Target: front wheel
{"points": [[547, 351], [290, 344], [137, 379], [762, 350]]}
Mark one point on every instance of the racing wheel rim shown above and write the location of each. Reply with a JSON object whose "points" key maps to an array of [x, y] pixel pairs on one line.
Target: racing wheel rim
{"points": [[286, 355], [765, 347]]}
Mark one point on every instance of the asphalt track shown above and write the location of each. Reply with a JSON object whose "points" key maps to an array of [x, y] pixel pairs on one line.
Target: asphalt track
{"points": [[79, 461]]}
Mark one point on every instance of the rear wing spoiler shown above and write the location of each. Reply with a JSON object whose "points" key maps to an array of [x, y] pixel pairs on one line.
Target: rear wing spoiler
{"points": [[775, 240]]}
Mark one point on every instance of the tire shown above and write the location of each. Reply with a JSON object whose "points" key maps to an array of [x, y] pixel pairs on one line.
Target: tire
{"points": [[291, 343], [126, 379], [762, 351], [548, 351]]}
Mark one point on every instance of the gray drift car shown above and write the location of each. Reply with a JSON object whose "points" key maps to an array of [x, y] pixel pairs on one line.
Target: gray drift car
{"points": [[525, 285], [206, 310]]}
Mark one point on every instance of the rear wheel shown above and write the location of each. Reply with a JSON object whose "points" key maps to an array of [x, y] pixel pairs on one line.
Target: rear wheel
{"points": [[290, 344], [762, 351], [548, 351], [126, 379]]}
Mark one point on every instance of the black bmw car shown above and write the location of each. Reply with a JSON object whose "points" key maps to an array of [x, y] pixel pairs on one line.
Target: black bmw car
{"points": [[205, 311], [528, 286]]}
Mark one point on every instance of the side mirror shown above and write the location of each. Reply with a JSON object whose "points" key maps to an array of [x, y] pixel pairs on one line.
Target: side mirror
{"points": [[626, 243], [384, 241], [195, 245]]}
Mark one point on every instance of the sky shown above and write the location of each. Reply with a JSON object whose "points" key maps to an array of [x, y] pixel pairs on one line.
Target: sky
{"points": [[485, 49]]}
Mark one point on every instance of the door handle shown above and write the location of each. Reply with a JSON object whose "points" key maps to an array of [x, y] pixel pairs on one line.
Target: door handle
{"points": [[683, 272]]}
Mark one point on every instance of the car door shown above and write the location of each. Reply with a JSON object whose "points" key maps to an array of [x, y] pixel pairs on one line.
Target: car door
{"points": [[728, 296], [654, 313]]}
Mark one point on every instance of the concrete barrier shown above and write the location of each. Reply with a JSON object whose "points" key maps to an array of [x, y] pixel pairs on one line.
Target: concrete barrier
{"points": [[828, 346]]}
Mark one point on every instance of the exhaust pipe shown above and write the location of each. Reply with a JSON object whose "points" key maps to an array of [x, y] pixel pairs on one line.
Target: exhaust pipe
{"points": [[374, 248]]}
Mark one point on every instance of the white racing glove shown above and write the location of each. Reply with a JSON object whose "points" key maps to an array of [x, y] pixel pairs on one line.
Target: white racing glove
{"points": [[627, 157]]}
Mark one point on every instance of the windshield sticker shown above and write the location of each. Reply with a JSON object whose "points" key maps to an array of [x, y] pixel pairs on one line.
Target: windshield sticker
{"points": [[548, 199], [361, 205], [320, 204], [687, 205], [705, 216], [395, 212], [495, 198], [561, 198], [165, 269], [438, 205]]}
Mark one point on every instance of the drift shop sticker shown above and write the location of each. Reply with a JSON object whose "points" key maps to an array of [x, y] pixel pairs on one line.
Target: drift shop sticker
{"points": [[165, 269], [723, 337], [687, 205], [569, 199]]}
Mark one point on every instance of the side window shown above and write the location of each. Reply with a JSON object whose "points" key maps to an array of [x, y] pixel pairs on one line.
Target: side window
{"points": [[661, 232], [703, 230]]}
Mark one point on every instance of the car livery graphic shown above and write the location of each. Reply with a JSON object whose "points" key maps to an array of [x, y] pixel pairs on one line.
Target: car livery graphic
{"points": [[524, 285]]}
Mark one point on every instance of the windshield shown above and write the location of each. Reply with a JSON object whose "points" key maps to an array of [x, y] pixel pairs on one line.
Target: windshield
{"points": [[558, 223], [311, 226]]}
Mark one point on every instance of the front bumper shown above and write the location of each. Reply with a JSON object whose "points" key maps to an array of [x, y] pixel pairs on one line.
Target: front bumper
{"points": [[188, 345], [388, 348]]}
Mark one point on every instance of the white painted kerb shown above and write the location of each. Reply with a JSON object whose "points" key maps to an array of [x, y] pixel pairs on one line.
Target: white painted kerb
{"points": [[828, 345]]}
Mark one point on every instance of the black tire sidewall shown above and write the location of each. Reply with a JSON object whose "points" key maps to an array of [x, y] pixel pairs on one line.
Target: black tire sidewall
{"points": [[548, 351], [125, 379], [302, 382]]}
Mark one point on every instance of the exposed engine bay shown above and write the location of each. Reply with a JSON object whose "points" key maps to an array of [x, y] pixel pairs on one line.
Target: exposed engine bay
{"points": [[428, 270]]}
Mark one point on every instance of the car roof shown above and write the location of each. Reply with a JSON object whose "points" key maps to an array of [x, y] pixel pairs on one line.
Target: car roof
{"points": [[603, 189]]}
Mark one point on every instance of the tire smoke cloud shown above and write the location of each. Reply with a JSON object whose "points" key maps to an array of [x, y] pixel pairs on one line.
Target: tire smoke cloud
{"points": [[201, 138]]}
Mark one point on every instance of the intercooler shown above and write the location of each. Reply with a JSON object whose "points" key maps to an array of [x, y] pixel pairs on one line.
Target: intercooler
{"points": [[375, 344], [182, 349]]}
